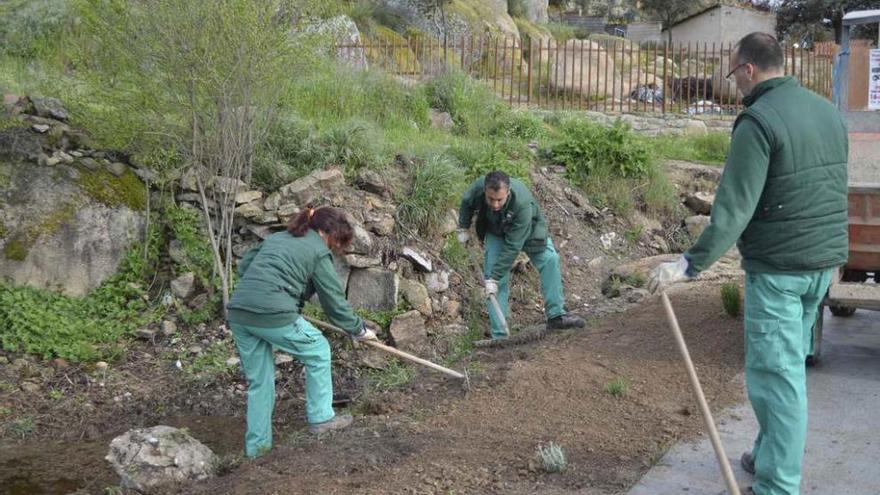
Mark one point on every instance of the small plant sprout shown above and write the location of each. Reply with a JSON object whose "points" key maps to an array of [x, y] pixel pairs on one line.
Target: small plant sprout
{"points": [[617, 387], [730, 299], [551, 458]]}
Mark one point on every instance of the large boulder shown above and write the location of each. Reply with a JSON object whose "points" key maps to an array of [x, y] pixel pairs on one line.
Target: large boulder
{"points": [[346, 37], [462, 17], [65, 227], [408, 331], [311, 187], [536, 10], [150, 458], [584, 70]]}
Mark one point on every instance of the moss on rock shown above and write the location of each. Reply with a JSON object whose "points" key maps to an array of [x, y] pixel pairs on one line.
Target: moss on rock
{"points": [[108, 189], [17, 247]]}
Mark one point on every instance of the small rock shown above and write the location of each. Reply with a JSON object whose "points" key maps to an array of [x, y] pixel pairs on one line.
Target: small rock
{"points": [[285, 210], [273, 201], [176, 252], [697, 224], [441, 120], [437, 281], [362, 261], [101, 365], [233, 361], [408, 331], [371, 181], [452, 307], [53, 160], [251, 211], [117, 168], [637, 295], [19, 364], [146, 334], [245, 197], [198, 301], [49, 108], [184, 285], [30, 387], [4, 360], [145, 174], [418, 259], [362, 242], [41, 128], [169, 328], [90, 164], [416, 295], [195, 349]]}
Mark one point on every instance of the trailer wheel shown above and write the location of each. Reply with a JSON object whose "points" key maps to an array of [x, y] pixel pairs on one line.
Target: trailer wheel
{"points": [[842, 311]]}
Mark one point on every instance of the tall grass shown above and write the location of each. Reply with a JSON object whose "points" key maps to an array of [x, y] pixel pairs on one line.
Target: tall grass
{"points": [[711, 148], [435, 185]]}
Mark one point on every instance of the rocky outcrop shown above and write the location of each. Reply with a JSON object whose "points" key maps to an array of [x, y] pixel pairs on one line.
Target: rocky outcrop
{"points": [[346, 36], [69, 213]]}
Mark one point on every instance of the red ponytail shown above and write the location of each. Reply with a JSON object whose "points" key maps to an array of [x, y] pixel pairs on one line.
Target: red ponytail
{"points": [[329, 220]]}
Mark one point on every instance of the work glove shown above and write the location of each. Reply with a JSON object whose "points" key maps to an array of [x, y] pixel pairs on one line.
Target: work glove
{"points": [[462, 235], [666, 274], [491, 287], [365, 334]]}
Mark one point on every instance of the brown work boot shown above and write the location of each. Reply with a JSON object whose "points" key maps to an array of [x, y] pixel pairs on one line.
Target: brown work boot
{"points": [[338, 422], [747, 462], [565, 321]]}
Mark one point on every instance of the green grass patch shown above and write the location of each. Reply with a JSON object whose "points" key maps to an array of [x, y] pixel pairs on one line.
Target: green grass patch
{"points": [[617, 387], [731, 299], [436, 184], [110, 190], [711, 148], [396, 375]]}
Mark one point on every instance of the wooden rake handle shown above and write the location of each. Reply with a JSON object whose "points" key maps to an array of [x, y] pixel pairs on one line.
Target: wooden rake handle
{"points": [[701, 399], [388, 349]]}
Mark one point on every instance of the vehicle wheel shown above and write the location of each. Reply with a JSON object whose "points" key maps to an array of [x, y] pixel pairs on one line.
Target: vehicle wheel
{"points": [[842, 311]]}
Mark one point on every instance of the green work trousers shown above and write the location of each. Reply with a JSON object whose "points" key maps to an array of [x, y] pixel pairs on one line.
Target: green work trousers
{"points": [[780, 310], [303, 341], [547, 263]]}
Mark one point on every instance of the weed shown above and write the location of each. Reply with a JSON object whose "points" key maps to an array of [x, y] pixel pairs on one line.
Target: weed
{"points": [[56, 394], [636, 280], [436, 183], [634, 233], [617, 387], [353, 145], [21, 427], [227, 464], [212, 361], [455, 254], [551, 458], [731, 299], [588, 149], [471, 104], [113, 490], [395, 375], [482, 157], [381, 318], [187, 227]]}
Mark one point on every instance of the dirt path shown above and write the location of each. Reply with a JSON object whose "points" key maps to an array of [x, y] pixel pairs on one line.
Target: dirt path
{"points": [[484, 441]]}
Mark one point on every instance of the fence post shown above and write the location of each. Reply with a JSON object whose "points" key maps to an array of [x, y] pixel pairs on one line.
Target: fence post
{"points": [[664, 91]]}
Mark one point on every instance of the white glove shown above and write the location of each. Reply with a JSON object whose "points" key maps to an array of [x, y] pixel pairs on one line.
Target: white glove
{"points": [[666, 274], [491, 287], [462, 235], [366, 334]]}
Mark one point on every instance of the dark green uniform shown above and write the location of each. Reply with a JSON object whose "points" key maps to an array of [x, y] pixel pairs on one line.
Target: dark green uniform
{"points": [[783, 198], [518, 226]]}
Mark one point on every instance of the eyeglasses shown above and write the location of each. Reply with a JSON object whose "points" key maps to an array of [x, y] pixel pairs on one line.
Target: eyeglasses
{"points": [[738, 67]]}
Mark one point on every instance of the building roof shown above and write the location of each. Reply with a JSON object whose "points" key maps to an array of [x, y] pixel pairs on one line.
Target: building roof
{"points": [[861, 17], [715, 6]]}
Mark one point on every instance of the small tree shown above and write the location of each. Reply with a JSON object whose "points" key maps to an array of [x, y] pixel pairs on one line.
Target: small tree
{"points": [[208, 75]]}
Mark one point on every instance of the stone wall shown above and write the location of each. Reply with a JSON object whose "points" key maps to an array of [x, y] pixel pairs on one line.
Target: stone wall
{"points": [[662, 125]]}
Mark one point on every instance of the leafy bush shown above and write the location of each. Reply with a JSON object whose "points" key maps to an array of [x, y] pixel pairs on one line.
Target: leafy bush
{"points": [[731, 299], [517, 124], [551, 457], [436, 183], [479, 157], [589, 149], [186, 226], [87, 329]]}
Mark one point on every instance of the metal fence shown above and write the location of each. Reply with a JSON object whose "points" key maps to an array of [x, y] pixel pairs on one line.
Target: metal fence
{"points": [[606, 75]]}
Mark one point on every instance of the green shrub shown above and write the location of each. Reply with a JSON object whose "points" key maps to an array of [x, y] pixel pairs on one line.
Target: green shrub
{"points": [[81, 329], [435, 185], [589, 149], [353, 145], [517, 124], [479, 157], [186, 226], [731, 299], [617, 387], [551, 457], [395, 375]]}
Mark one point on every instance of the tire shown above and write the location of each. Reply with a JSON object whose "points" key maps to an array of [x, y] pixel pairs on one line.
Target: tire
{"points": [[842, 311]]}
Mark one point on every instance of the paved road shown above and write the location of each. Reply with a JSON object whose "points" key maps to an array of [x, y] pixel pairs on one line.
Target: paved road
{"points": [[843, 443]]}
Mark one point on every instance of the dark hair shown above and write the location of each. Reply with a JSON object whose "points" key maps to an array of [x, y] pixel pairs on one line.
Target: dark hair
{"points": [[496, 180], [761, 50], [332, 221]]}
